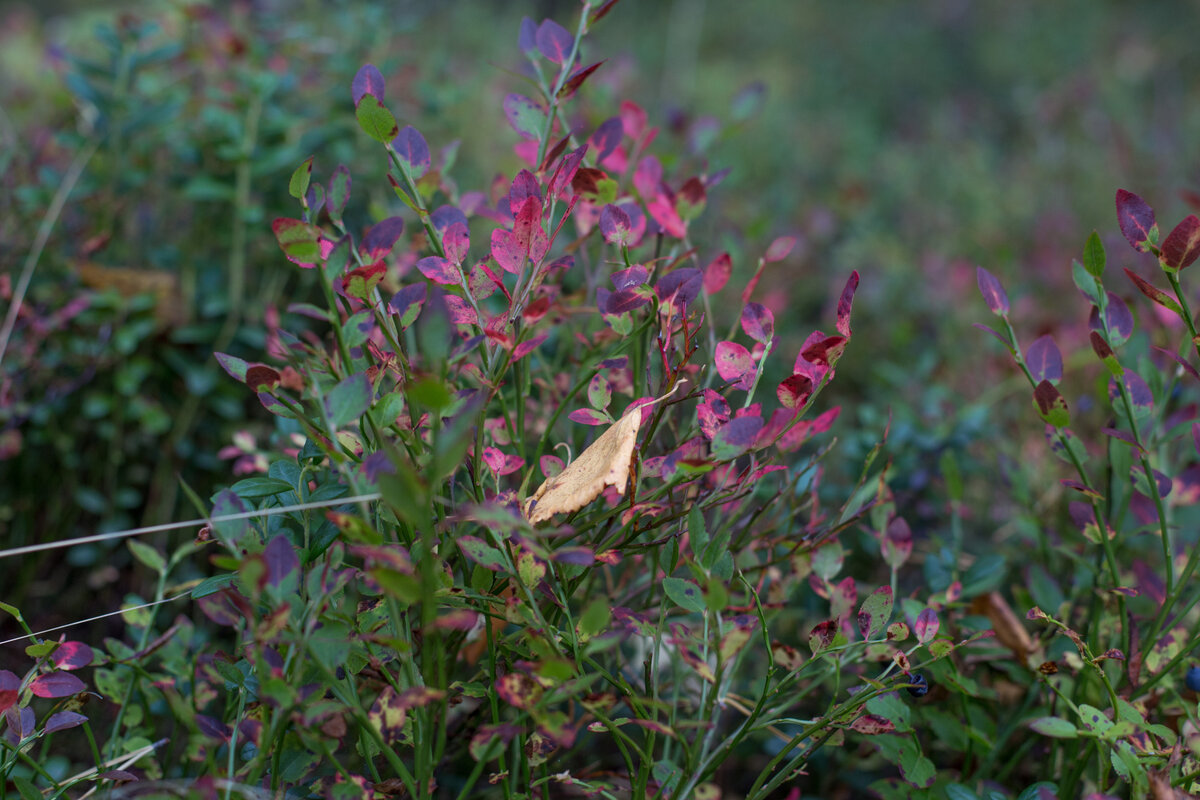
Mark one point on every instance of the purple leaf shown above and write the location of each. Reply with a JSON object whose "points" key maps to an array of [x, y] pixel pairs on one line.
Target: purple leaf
{"points": [[56, 684], [579, 556], [1044, 360], [456, 241], [447, 215], [586, 416], [844, 304], [606, 138], [63, 720], [412, 150], [683, 284], [734, 363], [439, 270], [1188, 368], [1139, 393], [1118, 317], [368, 80], [1182, 245], [212, 727], [993, 293], [280, 559], [525, 116], [565, 172], [527, 39], [1136, 218], [381, 238], [624, 300], [72, 655], [10, 686], [461, 312], [407, 303], [633, 277], [758, 322], [615, 226], [554, 41], [736, 437]]}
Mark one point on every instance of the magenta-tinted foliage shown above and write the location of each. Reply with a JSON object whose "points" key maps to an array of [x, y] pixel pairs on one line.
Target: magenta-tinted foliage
{"points": [[381, 238], [1044, 360], [717, 273], [368, 80], [554, 41], [1136, 219], [758, 322], [1182, 245], [56, 684], [993, 293], [411, 148], [735, 364], [606, 137]]}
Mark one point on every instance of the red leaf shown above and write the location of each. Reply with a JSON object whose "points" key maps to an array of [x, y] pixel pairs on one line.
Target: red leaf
{"points": [[72, 655], [438, 270], [56, 684], [758, 322], [461, 312], [63, 720], [735, 364], [1182, 245], [844, 304], [456, 241], [717, 273], [527, 347], [576, 80], [1153, 292], [1136, 218], [261, 375], [564, 174], [662, 209], [794, 392], [586, 416]]}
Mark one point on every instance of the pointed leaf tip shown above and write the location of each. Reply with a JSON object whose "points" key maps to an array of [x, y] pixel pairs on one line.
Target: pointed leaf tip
{"points": [[993, 293], [1182, 245]]}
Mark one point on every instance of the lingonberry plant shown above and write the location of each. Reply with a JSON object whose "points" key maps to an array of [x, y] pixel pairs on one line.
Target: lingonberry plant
{"points": [[1116, 717]]}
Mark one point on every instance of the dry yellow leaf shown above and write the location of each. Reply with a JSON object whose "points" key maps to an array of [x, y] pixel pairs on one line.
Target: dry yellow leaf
{"points": [[606, 462]]}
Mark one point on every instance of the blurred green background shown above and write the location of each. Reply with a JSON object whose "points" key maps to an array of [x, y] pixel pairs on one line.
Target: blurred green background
{"points": [[909, 141]]}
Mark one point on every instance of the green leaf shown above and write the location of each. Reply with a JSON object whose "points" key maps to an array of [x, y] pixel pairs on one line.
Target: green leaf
{"points": [[1093, 255], [147, 555], [696, 530], [375, 120], [298, 185], [1086, 282], [956, 791], [1054, 727], [1034, 792], [893, 709], [26, 788], [875, 612], [260, 486], [595, 618], [349, 400], [685, 594]]}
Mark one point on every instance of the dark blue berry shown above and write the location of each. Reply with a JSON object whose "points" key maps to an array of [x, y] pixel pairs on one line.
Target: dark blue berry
{"points": [[1193, 678], [920, 686]]}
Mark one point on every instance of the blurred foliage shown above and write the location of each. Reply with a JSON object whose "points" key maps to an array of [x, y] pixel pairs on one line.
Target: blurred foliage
{"points": [[907, 141]]}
